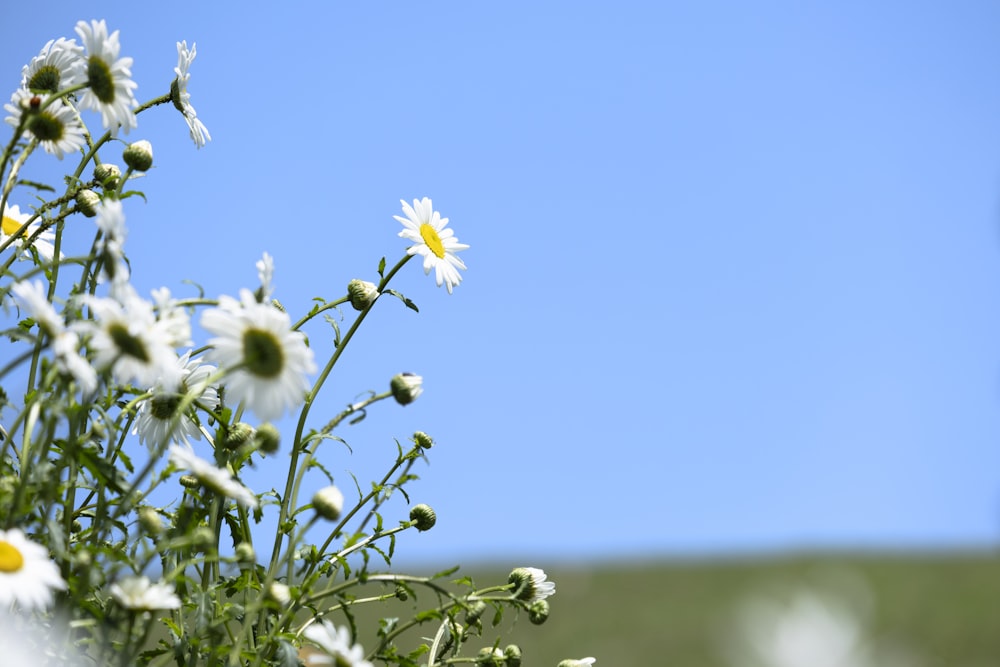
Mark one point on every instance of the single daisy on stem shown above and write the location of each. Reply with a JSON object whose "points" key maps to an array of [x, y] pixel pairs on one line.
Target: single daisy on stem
{"points": [[28, 576], [181, 98], [54, 123], [433, 241], [109, 78]]}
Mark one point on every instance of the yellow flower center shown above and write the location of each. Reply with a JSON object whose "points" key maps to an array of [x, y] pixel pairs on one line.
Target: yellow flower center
{"points": [[9, 226], [431, 238], [11, 559]]}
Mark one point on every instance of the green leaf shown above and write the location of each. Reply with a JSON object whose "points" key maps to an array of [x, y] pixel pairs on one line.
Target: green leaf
{"points": [[381, 267], [409, 304]]}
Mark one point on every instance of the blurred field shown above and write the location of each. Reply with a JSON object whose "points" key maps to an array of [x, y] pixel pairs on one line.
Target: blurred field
{"points": [[926, 611]]}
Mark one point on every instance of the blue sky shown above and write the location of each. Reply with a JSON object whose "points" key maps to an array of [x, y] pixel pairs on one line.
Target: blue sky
{"points": [[733, 272]]}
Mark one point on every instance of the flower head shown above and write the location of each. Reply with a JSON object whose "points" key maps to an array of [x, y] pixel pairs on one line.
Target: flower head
{"points": [[582, 662], [182, 98], [53, 122], [110, 221], [328, 503], [433, 241], [531, 584], [110, 88], [27, 575], [217, 479], [34, 298], [138, 593], [336, 643], [267, 362], [406, 387], [159, 420], [13, 220], [58, 65]]}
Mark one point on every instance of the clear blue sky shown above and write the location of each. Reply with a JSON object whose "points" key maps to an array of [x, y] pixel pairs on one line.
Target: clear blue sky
{"points": [[734, 269]]}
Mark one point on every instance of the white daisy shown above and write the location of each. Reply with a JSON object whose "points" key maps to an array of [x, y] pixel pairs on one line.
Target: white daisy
{"points": [[56, 126], [138, 593], [434, 242], [218, 480], [110, 89], [125, 337], [267, 362], [336, 642], [582, 662], [34, 298], [265, 272], [58, 65], [158, 420], [532, 584], [66, 347], [27, 574], [13, 220], [182, 98], [172, 318]]}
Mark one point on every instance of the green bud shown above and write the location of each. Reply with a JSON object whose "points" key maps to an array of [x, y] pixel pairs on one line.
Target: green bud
{"points": [[512, 655], [203, 537], [87, 202], [328, 503], [423, 517], [406, 387], [151, 521], [422, 440], [107, 175], [362, 293], [475, 612], [490, 657], [280, 593], [238, 435], [268, 439], [538, 612], [190, 482], [245, 553], [139, 155]]}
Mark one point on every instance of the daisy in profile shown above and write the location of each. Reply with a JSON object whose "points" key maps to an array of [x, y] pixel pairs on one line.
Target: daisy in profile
{"points": [[159, 420], [267, 362], [217, 479], [138, 593], [531, 584], [109, 78], [58, 65], [13, 220], [28, 576], [55, 124], [336, 644], [181, 98], [433, 241]]}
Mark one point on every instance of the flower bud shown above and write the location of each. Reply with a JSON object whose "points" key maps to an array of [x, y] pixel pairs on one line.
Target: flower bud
{"points": [[475, 612], [423, 517], [280, 593], [139, 155], [87, 202], [328, 502], [401, 593], [512, 654], [245, 553], [203, 537], [422, 440], [490, 657], [107, 175], [190, 482], [538, 612], [362, 293], [151, 521], [268, 438], [406, 387], [238, 435]]}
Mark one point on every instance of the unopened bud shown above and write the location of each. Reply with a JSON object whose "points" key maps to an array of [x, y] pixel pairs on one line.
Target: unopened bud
{"points": [[422, 440], [328, 502], [190, 482], [268, 438], [280, 593], [406, 387], [490, 657], [245, 553], [423, 517], [475, 612], [512, 654], [87, 202], [362, 293], [538, 612], [107, 175], [238, 435], [151, 521], [139, 155]]}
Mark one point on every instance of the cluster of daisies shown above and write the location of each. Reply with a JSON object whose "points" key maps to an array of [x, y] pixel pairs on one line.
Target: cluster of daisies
{"points": [[66, 77]]}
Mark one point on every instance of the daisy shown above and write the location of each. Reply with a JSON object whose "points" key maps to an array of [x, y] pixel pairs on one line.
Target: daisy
{"points": [[158, 420], [267, 362], [27, 574], [217, 479], [531, 584], [140, 594], [182, 98], [434, 242], [56, 126], [126, 338], [13, 220], [34, 298], [58, 65], [336, 642], [582, 662], [110, 89]]}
